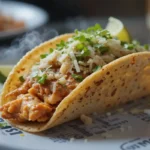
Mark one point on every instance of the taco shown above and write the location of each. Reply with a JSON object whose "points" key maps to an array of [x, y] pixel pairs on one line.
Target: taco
{"points": [[74, 74]]}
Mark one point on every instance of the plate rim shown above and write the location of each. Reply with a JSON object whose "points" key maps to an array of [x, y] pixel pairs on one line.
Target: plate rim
{"points": [[15, 32]]}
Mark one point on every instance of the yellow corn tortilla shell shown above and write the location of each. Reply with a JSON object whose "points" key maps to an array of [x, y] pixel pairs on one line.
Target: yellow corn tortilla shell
{"points": [[125, 79]]}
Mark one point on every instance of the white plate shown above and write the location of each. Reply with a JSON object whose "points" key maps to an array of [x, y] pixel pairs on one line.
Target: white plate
{"points": [[118, 131], [32, 16]]}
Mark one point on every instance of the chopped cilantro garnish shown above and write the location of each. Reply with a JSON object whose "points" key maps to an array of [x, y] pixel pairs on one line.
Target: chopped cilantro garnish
{"points": [[21, 78], [135, 42], [85, 52], [2, 78], [129, 46], [133, 45], [51, 50], [93, 28], [90, 40], [43, 56], [61, 45], [102, 48], [83, 49], [79, 58], [146, 46], [105, 34], [42, 79], [77, 77], [123, 43], [81, 38], [80, 46], [76, 31], [3, 124], [96, 68]]}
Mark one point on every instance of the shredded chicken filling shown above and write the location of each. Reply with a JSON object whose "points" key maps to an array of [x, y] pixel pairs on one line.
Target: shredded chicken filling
{"points": [[36, 102]]}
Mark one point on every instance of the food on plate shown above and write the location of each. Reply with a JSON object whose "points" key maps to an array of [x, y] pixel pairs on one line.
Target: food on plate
{"points": [[8, 23], [74, 74]]}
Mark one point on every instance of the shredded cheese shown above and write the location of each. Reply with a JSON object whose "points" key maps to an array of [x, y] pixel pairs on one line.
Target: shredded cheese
{"points": [[54, 87], [91, 51], [62, 58], [86, 120], [62, 80], [76, 65]]}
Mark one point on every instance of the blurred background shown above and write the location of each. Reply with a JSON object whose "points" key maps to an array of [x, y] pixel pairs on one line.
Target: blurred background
{"points": [[30, 22]]}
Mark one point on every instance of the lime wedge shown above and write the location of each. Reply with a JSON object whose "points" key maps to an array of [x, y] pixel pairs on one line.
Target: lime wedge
{"points": [[117, 29], [5, 69]]}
